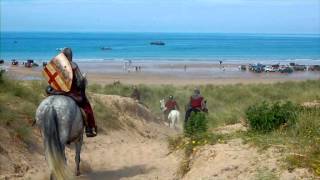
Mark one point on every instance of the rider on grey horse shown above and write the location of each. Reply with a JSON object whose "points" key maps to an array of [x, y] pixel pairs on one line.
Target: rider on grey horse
{"points": [[77, 93]]}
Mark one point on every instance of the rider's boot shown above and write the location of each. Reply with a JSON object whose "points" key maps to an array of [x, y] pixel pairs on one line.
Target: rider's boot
{"points": [[91, 132]]}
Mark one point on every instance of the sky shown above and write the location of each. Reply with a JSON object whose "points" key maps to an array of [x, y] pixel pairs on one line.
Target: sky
{"points": [[194, 16]]}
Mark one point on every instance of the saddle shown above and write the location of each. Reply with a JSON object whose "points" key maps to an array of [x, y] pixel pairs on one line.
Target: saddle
{"points": [[50, 91]]}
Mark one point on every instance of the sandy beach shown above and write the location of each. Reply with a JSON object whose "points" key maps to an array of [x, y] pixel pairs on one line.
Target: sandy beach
{"points": [[106, 72]]}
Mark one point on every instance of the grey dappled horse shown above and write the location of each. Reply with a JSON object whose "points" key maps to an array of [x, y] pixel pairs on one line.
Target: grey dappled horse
{"points": [[60, 119]]}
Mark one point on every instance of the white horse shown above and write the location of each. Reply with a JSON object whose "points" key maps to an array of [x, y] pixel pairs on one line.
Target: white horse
{"points": [[173, 116]]}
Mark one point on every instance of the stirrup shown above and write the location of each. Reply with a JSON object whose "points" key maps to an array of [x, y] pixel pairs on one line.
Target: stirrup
{"points": [[90, 132]]}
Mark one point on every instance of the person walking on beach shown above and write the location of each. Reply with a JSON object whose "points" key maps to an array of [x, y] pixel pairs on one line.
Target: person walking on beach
{"points": [[77, 92], [185, 68], [196, 104]]}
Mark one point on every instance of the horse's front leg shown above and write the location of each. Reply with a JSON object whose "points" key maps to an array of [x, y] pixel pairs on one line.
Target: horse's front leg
{"points": [[78, 145]]}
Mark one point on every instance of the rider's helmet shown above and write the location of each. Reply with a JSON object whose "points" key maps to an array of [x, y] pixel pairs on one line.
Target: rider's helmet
{"points": [[68, 53], [196, 91], [170, 97]]}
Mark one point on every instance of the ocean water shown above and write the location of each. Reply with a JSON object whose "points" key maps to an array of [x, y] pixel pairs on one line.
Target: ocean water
{"points": [[179, 46]]}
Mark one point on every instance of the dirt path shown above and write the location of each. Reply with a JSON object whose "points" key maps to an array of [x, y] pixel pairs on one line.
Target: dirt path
{"points": [[122, 157], [119, 155]]}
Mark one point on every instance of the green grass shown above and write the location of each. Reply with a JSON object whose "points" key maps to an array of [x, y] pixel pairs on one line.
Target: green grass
{"points": [[226, 103], [300, 141], [18, 102]]}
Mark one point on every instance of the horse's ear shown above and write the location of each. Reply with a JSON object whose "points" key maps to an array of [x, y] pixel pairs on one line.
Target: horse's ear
{"points": [[84, 75]]}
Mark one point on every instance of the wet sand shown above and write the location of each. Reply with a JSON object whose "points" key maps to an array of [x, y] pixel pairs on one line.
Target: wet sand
{"points": [[168, 73]]}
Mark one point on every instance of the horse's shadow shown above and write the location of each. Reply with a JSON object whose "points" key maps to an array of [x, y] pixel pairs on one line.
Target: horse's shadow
{"points": [[124, 172]]}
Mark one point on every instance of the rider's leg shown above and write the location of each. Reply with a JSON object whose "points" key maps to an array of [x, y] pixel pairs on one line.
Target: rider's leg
{"points": [[188, 112], [91, 129]]}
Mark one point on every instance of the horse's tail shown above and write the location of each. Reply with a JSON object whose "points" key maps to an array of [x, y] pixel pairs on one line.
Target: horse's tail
{"points": [[53, 147]]}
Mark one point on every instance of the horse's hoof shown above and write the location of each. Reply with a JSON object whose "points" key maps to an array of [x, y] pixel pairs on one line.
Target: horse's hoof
{"points": [[77, 173]]}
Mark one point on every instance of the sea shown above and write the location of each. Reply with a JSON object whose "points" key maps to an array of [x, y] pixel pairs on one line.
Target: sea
{"points": [[194, 47]]}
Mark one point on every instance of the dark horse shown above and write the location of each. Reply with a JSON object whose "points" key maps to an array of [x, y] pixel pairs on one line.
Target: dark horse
{"points": [[189, 110]]}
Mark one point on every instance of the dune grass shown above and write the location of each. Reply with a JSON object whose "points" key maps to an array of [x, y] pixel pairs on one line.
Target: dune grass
{"points": [[227, 104], [18, 102]]}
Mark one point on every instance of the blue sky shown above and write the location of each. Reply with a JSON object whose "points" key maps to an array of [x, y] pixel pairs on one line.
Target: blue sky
{"points": [[231, 16]]}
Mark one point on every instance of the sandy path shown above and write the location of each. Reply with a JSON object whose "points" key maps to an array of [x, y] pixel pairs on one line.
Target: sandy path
{"points": [[120, 157]]}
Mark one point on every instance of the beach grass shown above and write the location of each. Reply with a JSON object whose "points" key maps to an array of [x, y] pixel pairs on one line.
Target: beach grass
{"points": [[18, 102], [227, 104]]}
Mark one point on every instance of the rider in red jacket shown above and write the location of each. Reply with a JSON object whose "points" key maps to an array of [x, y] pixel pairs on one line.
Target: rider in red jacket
{"points": [[171, 104], [196, 104]]}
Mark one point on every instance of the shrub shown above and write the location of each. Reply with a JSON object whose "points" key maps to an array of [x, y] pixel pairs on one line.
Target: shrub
{"points": [[266, 117], [197, 125]]}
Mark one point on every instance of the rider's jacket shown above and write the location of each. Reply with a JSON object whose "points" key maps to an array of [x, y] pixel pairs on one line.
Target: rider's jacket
{"points": [[77, 92], [171, 104], [196, 102]]}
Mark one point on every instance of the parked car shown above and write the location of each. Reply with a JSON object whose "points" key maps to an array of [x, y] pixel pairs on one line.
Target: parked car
{"points": [[269, 69], [1, 61], [298, 67], [275, 66], [292, 64], [14, 62], [286, 69], [30, 63], [314, 68], [243, 67]]}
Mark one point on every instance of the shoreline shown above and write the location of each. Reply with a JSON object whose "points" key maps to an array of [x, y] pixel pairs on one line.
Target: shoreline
{"points": [[164, 74], [235, 61]]}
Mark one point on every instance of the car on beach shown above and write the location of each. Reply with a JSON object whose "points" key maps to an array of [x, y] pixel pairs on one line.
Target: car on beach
{"points": [[285, 69], [14, 62], [298, 67], [269, 69], [258, 68], [314, 68], [243, 67], [30, 63]]}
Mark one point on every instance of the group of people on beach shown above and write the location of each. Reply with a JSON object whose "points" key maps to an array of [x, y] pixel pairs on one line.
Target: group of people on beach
{"points": [[127, 66]]}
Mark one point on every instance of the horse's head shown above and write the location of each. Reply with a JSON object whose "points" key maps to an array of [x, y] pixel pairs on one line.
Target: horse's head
{"points": [[162, 105]]}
